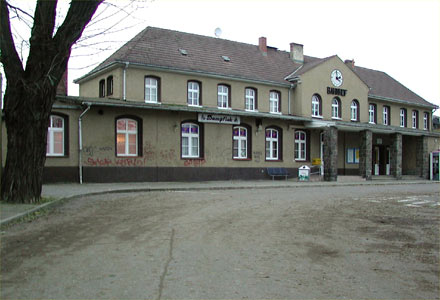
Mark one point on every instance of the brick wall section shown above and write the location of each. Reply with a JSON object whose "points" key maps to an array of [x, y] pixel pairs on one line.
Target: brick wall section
{"points": [[331, 154], [422, 157], [396, 155], [366, 154]]}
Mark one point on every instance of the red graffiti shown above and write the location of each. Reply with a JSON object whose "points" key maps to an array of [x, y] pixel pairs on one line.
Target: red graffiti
{"points": [[194, 162], [130, 162], [99, 161], [168, 155]]}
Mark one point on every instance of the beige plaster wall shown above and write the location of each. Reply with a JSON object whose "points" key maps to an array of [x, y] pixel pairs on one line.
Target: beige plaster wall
{"points": [[316, 81], [90, 88]]}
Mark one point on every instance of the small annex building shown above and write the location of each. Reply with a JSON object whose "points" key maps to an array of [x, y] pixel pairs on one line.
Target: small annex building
{"points": [[175, 106]]}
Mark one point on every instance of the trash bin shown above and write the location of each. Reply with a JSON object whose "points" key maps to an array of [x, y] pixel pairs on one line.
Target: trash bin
{"points": [[303, 173]]}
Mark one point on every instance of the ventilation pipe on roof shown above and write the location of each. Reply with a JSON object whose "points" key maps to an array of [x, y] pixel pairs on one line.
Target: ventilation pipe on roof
{"points": [[296, 53], [88, 104], [349, 62], [262, 44], [124, 82]]}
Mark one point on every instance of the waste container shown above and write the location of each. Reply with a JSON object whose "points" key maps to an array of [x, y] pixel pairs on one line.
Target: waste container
{"points": [[303, 173]]}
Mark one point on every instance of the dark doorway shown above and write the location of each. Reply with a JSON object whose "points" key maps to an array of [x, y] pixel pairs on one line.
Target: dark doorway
{"points": [[381, 160]]}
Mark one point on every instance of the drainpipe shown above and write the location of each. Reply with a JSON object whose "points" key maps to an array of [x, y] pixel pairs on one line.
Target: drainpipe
{"points": [[80, 140], [124, 82], [290, 89]]}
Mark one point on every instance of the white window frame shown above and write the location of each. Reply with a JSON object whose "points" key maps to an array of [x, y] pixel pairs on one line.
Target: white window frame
{"points": [[335, 108], [425, 121], [51, 131], [371, 113], [414, 119], [300, 145], [250, 99], [274, 101], [127, 133], [385, 115], [193, 93], [271, 149], [242, 143], [190, 145], [402, 117], [151, 89], [316, 102], [222, 96], [354, 110]]}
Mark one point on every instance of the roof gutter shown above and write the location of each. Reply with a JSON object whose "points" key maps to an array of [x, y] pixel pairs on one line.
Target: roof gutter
{"points": [[432, 106]]}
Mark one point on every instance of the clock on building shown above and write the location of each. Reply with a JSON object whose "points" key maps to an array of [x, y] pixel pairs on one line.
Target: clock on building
{"points": [[336, 78]]}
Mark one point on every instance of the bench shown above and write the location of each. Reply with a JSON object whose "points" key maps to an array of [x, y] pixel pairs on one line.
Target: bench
{"points": [[277, 172]]}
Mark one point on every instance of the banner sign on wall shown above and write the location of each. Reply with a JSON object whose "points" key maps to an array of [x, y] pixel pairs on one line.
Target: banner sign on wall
{"points": [[219, 119]]}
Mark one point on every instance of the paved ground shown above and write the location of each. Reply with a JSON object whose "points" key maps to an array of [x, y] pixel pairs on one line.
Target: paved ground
{"points": [[312, 242]]}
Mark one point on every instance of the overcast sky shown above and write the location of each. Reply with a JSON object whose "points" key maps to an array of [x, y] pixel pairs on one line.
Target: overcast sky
{"points": [[401, 38]]}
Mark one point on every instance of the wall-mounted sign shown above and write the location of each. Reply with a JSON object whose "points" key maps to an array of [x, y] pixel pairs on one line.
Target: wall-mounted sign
{"points": [[219, 119], [335, 91]]}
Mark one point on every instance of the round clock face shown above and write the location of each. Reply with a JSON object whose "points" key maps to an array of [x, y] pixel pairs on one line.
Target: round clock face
{"points": [[336, 78]]}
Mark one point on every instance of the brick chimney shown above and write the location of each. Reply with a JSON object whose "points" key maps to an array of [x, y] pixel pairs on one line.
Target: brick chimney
{"points": [[262, 44], [62, 85], [349, 62], [296, 53]]}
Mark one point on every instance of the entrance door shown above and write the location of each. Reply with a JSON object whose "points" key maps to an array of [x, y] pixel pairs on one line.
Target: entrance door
{"points": [[387, 156], [376, 160], [321, 152]]}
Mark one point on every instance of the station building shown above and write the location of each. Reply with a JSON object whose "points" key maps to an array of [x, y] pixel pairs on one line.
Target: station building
{"points": [[175, 106]]}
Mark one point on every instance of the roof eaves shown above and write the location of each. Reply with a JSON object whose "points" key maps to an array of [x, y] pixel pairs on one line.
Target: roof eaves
{"points": [[95, 73], [377, 97]]}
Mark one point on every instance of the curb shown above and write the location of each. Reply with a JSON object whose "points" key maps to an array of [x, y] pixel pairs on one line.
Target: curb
{"points": [[55, 203]]}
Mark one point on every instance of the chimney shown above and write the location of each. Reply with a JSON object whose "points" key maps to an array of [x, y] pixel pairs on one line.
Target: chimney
{"points": [[262, 44], [349, 62], [296, 53], [62, 85]]}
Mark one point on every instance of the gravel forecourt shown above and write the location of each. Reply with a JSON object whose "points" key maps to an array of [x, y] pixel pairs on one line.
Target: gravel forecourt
{"points": [[361, 242]]}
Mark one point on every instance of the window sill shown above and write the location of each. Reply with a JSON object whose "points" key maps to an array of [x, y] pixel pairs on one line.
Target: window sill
{"points": [[317, 117], [301, 160], [251, 110], [372, 123], [274, 160], [193, 105], [225, 108], [151, 102], [128, 156], [354, 120], [275, 113], [191, 158], [336, 118], [56, 156], [242, 159]]}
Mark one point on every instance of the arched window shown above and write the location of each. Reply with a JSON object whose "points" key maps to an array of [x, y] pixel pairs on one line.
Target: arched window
{"points": [[354, 110], [194, 93], [102, 88], [250, 100], [56, 136], [110, 85], [240, 142], [152, 89], [273, 144], [127, 137], [336, 108], [300, 145], [316, 106], [190, 135]]}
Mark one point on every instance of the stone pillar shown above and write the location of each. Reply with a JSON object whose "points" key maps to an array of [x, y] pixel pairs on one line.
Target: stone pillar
{"points": [[396, 155], [422, 157], [331, 154], [366, 154]]}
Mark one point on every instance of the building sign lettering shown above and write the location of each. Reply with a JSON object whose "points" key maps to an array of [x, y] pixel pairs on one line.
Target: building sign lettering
{"points": [[219, 119], [335, 91]]}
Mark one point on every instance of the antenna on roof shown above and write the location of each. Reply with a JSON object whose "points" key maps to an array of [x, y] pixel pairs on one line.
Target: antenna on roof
{"points": [[218, 32]]}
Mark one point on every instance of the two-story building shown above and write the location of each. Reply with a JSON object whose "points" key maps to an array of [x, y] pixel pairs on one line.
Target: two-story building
{"points": [[173, 106]]}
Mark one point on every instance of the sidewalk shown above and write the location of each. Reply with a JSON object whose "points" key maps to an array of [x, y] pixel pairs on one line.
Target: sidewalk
{"points": [[62, 192]]}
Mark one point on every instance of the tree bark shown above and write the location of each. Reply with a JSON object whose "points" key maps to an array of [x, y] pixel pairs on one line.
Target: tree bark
{"points": [[30, 93]]}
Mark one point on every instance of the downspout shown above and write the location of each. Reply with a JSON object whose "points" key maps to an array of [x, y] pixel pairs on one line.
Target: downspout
{"points": [[80, 140], [289, 109], [124, 82]]}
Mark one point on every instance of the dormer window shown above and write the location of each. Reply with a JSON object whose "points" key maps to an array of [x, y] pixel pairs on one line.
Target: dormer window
{"points": [[183, 52], [226, 58], [109, 85], [102, 88]]}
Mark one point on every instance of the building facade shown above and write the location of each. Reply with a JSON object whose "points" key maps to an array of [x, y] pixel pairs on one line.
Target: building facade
{"points": [[173, 106]]}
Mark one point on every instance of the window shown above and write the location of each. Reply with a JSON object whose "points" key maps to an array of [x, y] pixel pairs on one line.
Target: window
{"points": [[354, 110], [223, 96], [300, 145], [426, 121], [402, 117], [273, 144], [250, 99], [336, 108], [191, 140], [316, 106], [152, 89], [353, 155], [415, 119], [102, 88], [241, 142], [372, 113], [275, 102], [194, 93], [127, 137], [109, 85], [386, 115], [56, 136]]}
